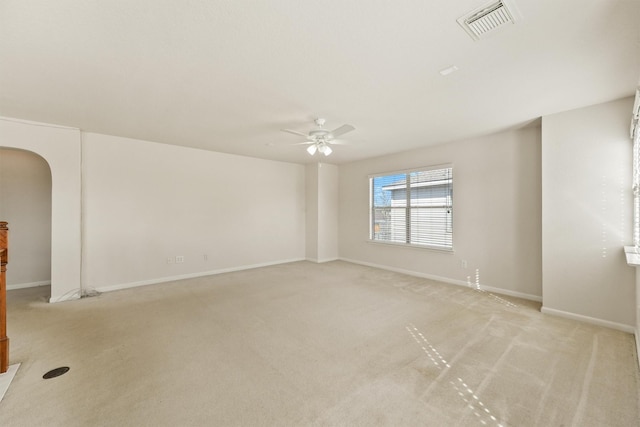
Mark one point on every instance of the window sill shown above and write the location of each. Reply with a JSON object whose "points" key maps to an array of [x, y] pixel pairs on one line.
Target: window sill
{"points": [[633, 255], [418, 247]]}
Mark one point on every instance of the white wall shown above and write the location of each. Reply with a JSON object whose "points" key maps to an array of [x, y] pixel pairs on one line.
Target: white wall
{"points": [[60, 147], [144, 202], [586, 178], [25, 202], [328, 208], [311, 191], [496, 222], [322, 212]]}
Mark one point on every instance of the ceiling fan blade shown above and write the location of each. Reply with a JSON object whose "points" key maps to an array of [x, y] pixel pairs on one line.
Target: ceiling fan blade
{"points": [[295, 132], [342, 130], [337, 142], [304, 143]]}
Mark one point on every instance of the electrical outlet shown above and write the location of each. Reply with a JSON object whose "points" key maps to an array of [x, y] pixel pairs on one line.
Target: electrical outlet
{"points": [[464, 263], [170, 260], [205, 257], [179, 259]]}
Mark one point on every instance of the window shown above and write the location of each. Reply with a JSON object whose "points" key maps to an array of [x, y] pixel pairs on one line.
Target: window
{"points": [[413, 208]]}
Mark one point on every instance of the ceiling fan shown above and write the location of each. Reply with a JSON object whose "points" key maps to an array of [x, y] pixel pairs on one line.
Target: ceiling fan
{"points": [[320, 139]]}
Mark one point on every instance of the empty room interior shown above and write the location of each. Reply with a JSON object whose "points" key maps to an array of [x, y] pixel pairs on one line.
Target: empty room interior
{"points": [[336, 213]]}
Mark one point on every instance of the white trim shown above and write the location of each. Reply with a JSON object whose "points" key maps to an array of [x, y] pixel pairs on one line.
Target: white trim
{"points": [[69, 296], [410, 246], [448, 280], [28, 285], [189, 276], [633, 256], [637, 346], [587, 319], [30, 122], [510, 293], [321, 261], [635, 114], [83, 202], [419, 169], [6, 378]]}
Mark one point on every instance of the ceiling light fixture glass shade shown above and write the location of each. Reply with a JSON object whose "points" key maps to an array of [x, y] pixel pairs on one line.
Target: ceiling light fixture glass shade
{"points": [[320, 147]]}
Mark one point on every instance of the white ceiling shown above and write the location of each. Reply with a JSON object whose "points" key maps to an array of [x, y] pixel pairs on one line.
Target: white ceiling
{"points": [[227, 75]]}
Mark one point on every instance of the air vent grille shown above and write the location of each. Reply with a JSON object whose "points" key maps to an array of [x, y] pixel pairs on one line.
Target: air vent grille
{"points": [[489, 18]]}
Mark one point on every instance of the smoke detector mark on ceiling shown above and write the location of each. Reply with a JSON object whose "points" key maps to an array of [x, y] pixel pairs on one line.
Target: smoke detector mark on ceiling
{"points": [[487, 19]]}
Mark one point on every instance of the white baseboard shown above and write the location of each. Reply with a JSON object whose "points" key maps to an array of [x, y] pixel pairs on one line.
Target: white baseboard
{"points": [[28, 285], [321, 261], [190, 276], [6, 378], [565, 314], [69, 296], [593, 320], [637, 347], [448, 280], [511, 293]]}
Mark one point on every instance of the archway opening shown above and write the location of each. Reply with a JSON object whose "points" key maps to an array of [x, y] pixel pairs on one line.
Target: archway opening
{"points": [[26, 203]]}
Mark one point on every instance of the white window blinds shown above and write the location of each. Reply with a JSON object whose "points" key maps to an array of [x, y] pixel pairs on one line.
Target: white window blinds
{"points": [[413, 208]]}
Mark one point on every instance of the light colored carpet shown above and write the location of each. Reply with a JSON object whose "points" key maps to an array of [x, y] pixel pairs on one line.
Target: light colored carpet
{"points": [[304, 344]]}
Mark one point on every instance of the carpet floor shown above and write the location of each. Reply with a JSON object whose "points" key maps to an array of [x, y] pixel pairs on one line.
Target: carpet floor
{"points": [[306, 344]]}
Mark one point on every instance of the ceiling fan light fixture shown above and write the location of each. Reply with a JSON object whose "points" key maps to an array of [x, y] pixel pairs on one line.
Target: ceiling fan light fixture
{"points": [[319, 138]]}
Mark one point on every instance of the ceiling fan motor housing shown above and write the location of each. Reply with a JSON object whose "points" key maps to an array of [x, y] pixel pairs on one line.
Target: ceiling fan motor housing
{"points": [[319, 134]]}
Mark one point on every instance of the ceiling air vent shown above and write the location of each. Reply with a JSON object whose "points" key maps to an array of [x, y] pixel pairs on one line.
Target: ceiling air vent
{"points": [[487, 19]]}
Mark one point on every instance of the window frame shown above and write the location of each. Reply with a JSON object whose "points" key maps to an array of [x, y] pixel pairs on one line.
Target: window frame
{"points": [[412, 207]]}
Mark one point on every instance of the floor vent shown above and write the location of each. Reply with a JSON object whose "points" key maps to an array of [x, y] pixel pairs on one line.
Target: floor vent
{"points": [[56, 372], [485, 20]]}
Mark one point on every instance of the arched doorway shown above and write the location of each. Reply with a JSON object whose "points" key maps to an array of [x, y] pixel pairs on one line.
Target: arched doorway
{"points": [[61, 148], [25, 202]]}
